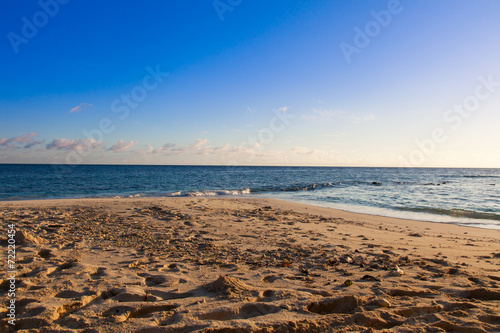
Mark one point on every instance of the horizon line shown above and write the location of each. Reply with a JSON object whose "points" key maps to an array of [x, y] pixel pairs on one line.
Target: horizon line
{"points": [[264, 166]]}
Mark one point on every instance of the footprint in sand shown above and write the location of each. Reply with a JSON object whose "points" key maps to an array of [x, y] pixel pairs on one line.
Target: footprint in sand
{"points": [[46, 253], [73, 294], [482, 294], [249, 310], [99, 274], [345, 304], [123, 312], [165, 280], [127, 294]]}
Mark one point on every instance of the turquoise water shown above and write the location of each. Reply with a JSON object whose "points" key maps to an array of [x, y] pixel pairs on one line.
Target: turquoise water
{"points": [[460, 196]]}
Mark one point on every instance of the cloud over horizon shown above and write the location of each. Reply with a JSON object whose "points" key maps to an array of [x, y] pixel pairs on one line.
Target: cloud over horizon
{"points": [[121, 146], [74, 145], [22, 141], [199, 147]]}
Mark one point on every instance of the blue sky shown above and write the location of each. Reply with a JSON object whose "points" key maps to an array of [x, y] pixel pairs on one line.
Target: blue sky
{"points": [[287, 82]]}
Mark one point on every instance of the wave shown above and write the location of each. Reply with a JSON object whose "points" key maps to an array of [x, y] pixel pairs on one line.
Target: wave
{"points": [[313, 186], [338, 184], [289, 188], [453, 212], [293, 187], [201, 193], [210, 193], [286, 188], [480, 176]]}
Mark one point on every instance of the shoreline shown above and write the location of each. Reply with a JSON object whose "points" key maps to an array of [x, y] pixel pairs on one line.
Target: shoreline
{"points": [[386, 212], [317, 204], [208, 264]]}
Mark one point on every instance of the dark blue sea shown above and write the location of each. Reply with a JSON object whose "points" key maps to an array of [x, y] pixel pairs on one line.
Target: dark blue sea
{"points": [[460, 196]]}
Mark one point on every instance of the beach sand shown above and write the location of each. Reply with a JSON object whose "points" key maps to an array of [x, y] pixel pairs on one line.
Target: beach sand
{"points": [[243, 265]]}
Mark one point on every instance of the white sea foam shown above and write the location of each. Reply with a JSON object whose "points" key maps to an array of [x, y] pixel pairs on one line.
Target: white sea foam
{"points": [[215, 193]]}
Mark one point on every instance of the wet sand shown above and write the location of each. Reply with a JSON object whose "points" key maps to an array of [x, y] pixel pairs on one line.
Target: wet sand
{"points": [[243, 265]]}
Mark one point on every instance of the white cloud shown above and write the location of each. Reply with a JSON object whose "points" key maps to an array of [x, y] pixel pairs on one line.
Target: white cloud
{"points": [[167, 147], [23, 141], [199, 147], [33, 143], [80, 107], [198, 144], [122, 146], [242, 149], [74, 145]]}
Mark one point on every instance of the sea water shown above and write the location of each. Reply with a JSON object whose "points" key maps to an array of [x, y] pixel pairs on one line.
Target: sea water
{"points": [[461, 196]]}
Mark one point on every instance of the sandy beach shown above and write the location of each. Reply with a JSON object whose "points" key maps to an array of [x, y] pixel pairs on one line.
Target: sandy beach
{"points": [[243, 265]]}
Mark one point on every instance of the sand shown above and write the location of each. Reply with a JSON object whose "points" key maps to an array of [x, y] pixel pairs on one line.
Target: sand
{"points": [[243, 265]]}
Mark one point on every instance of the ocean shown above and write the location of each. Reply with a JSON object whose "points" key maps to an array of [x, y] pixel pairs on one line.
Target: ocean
{"points": [[460, 196]]}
